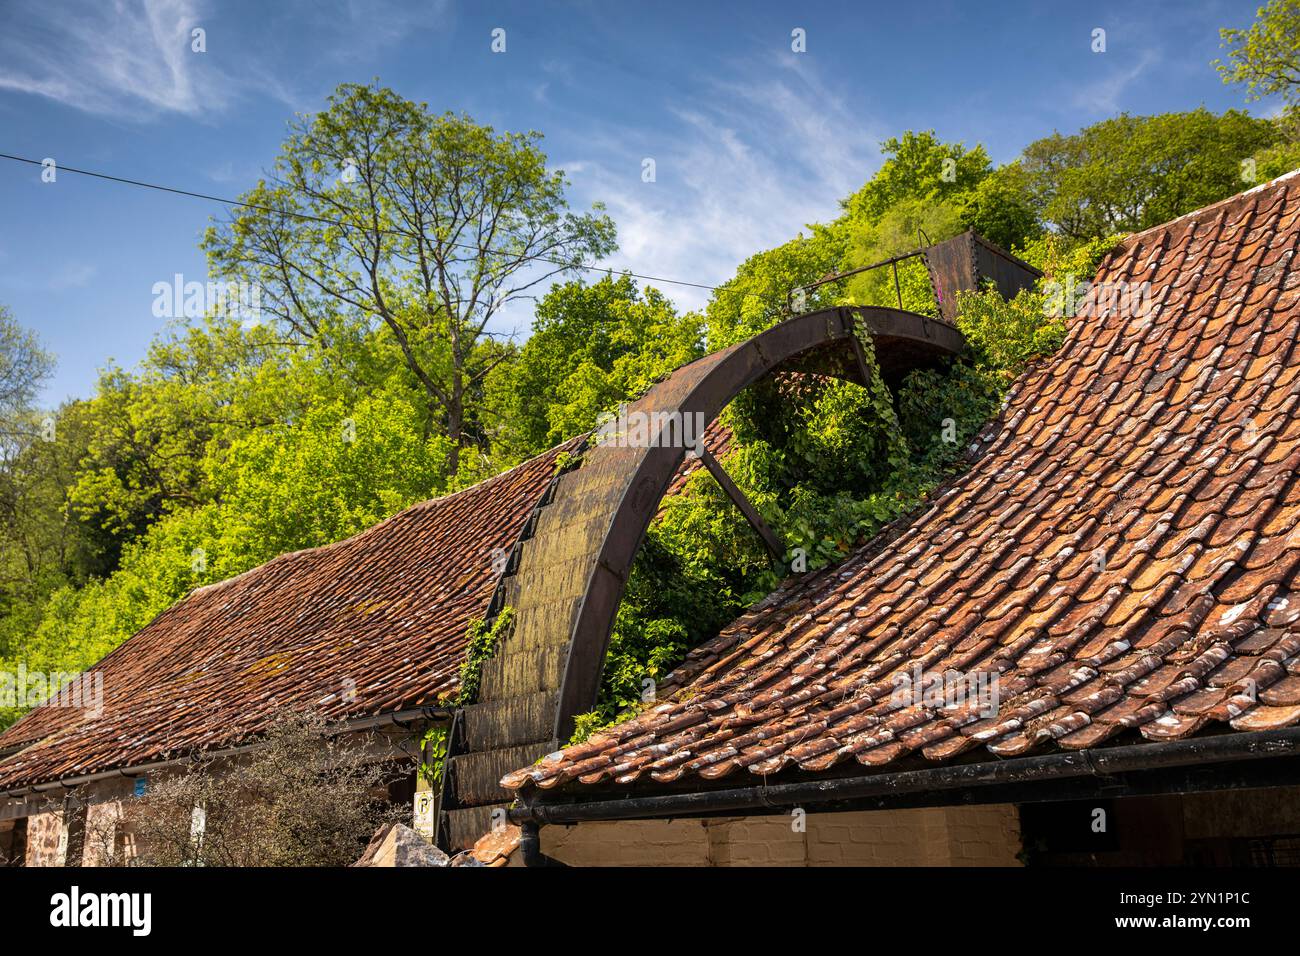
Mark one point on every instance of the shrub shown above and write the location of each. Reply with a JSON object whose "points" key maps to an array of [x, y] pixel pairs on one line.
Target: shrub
{"points": [[304, 796]]}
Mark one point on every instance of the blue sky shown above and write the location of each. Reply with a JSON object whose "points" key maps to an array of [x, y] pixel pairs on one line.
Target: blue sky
{"points": [[751, 141]]}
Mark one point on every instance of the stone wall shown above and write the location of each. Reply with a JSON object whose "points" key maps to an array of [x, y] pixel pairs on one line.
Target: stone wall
{"points": [[101, 807], [107, 836], [45, 838]]}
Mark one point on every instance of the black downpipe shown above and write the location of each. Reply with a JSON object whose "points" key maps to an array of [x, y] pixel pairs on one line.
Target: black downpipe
{"points": [[530, 845]]}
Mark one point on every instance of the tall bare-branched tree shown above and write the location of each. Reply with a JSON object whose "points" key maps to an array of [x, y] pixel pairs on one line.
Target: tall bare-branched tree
{"points": [[414, 227]]}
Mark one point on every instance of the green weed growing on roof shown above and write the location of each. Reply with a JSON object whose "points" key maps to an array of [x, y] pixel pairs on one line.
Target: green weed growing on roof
{"points": [[483, 642]]}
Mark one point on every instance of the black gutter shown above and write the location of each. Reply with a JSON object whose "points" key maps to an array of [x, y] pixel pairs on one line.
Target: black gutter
{"points": [[1101, 762]]}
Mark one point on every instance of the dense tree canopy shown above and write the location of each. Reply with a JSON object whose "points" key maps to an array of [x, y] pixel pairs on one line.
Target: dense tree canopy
{"points": [[917, 166], [592, 347], [1132, 172], [386, 239]]}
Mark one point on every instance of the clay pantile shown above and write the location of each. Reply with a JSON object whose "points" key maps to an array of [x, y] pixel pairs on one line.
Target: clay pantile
{"points": [[1123, 555], [371, 625]]}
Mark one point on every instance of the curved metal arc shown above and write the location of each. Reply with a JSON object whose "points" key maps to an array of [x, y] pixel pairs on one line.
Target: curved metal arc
{"points": [[704, 388]]}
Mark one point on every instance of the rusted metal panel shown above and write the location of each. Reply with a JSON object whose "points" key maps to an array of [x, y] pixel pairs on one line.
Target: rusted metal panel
{"points": [[965, 262], [478, 773], [496, 723]]}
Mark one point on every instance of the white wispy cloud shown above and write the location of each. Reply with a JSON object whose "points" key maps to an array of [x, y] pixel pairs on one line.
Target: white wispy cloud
{"points": [[1106, 95], [769, 148], [134, 58], [354, 31], [73, 275], [128, 57]]}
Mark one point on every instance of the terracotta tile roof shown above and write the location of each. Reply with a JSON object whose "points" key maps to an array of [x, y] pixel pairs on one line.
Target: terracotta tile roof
{"points": [[370, 625], [1124, 553]]}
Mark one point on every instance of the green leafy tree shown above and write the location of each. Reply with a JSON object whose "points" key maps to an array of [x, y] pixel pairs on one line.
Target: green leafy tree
{"points": [[333, 473], [24, 368], [39, 546], [1132, 172], [1266, 55], [592, 347], [200, 387], [1277, 160], [759, 295], [918, 166], [999, 208], [441, 222]]}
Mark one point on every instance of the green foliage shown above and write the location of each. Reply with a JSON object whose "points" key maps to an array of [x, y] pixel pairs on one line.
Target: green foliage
{"points": [[918, 167], [223, 450], [1266, 55], [1277, 160], [318, 480], [335, 471], [584, 725], [1009, 335], [149, 433], [1000, 210], [1132, 172], [689, 579], [41, 549], [24, 367], [433, 745], [445, 222], [481, 645], [756, 297], [592, 347], [928, 191], [1059, 257]]}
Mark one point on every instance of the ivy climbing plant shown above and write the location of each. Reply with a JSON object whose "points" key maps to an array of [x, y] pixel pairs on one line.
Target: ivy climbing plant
{"points": [[483, 641]]}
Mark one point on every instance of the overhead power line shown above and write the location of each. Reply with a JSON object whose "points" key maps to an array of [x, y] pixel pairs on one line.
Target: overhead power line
{"points": [[606, 270]]}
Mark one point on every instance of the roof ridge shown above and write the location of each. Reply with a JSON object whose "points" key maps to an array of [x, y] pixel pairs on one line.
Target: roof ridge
{"points": [[1213, 207]]}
